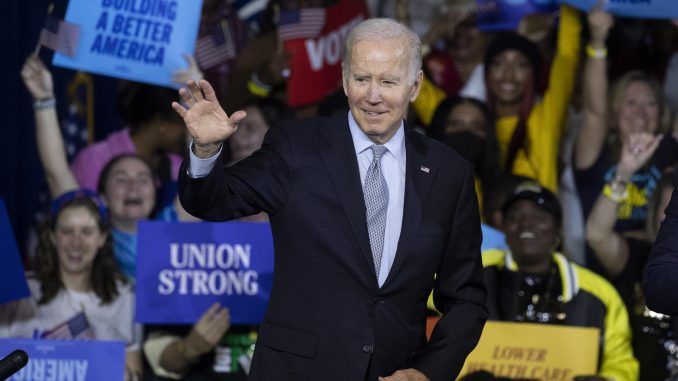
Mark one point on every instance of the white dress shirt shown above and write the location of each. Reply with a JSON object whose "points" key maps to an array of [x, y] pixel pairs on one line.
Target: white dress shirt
{"points": [[392, 166]]}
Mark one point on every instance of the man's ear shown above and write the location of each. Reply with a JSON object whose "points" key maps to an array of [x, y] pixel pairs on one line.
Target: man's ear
{"points": [[416, 87], [344, 83]]}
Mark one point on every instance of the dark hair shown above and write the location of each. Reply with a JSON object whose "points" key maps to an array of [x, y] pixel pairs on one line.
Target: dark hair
{"points": [[512, 41], [495, 196], [273, 110], [106, 172], [139, 103], [489, 167], [105, 273]]}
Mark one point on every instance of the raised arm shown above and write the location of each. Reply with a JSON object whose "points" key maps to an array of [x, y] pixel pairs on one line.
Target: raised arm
{"points": [[50, 143], [611, 248], [592, 135]]}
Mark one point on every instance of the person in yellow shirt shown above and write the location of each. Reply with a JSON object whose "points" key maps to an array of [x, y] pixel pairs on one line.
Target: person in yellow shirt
{"points": [[528, 128]]}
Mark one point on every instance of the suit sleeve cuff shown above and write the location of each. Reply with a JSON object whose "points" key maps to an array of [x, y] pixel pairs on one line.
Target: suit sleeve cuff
{"points": [[198, 167]]}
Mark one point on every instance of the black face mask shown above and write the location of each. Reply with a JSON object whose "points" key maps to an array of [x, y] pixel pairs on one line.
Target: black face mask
{"points": [[470, 146]]}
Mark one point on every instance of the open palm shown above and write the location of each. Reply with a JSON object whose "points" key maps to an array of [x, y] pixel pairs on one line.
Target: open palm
{"points": [[207, 123]]}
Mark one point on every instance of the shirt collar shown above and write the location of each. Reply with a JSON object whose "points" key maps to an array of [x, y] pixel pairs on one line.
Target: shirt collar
{"points": [[361, 142]]}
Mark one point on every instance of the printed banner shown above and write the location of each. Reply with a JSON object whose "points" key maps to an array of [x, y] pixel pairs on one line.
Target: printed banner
{"points": [[501, 15], [13, 284], [68, 360], [534, 351], [183, 268], [316, 62], [139, 40], [644, 9]]}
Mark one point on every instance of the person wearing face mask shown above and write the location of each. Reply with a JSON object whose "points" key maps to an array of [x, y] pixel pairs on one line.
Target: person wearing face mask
{"points": [[619, 152], [466, 126], [528, 127], [532, 282]]}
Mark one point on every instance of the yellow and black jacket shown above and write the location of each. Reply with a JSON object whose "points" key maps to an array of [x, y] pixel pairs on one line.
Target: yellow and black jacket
{"points": [[588, 301]]}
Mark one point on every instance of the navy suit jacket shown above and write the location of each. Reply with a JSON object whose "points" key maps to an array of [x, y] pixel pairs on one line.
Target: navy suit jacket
{"points": [[327, 318], [660, 277]]}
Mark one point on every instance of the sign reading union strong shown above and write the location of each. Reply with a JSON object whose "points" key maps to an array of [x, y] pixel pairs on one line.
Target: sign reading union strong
{"points": [[535, 351]]}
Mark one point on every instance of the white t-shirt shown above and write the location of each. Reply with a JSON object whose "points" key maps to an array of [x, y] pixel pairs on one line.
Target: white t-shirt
{"points": [[112, 321]]}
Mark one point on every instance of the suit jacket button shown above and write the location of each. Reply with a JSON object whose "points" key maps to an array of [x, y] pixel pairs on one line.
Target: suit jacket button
{"points": [[378, 300], [367, 348]]}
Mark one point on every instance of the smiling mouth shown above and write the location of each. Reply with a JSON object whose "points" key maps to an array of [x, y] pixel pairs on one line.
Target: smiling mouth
{"points": [[372, 113], [133, 202], [527, 235]]}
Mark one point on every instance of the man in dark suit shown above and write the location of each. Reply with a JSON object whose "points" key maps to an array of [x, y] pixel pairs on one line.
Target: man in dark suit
{"points": [[367, 219], [660, 277]]}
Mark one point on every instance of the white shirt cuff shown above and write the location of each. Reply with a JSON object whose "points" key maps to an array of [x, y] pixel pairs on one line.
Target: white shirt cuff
{"points": [[198, 167]]}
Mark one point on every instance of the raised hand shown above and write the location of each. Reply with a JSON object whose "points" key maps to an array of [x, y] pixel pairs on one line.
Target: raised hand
{"points": [[206, 121], [636, 151], [37, 78], [600, 22], [207, 332]]}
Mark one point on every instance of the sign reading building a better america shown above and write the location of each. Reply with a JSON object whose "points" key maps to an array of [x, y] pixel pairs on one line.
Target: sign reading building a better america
{"points": [[68, 360], [183, 268], [139, 40]]}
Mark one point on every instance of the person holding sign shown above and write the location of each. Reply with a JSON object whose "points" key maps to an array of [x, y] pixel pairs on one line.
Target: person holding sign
{"points": [[532, 282], [367, 219], [76, 270]]}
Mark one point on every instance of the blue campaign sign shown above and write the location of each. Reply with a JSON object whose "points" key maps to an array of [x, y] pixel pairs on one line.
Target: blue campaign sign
{"points": [[13, 284], [139, 40], [73, 360], [501, 15], [183, 268], [644, 9]]}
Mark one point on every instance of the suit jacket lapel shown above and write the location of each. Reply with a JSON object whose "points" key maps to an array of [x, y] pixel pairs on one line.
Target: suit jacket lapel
{"points": [[338, 154], [419, 175]]}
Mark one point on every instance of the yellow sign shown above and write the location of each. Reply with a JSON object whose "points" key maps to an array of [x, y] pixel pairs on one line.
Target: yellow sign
{"points": [[535, 351]]}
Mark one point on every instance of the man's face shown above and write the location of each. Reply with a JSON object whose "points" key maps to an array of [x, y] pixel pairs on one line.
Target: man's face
{"points": [[379, 86]]}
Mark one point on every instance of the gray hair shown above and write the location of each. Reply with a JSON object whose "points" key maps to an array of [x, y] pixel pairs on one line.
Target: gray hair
{"points": [[379, 29]]}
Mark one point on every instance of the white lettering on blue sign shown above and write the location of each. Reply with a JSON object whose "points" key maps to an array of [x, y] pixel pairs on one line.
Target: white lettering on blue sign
{"points": [[42, 369], [209, 256], [201, 282]]}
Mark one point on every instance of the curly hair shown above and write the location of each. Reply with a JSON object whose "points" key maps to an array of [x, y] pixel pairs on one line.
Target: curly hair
{"points": [[105, 275]]}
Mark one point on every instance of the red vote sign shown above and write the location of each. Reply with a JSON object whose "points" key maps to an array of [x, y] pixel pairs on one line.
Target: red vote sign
{"points": [[316, 62]]}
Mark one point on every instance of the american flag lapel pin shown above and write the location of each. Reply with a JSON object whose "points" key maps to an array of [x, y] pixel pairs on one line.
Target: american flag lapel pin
{"points": [[425, 169]]}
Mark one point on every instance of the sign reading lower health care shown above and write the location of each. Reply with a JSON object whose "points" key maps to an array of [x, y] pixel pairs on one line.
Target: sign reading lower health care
{"points": [[534, 351], [644, 9], [13, 284], [140, 40], [68, 360], [183, 268]]}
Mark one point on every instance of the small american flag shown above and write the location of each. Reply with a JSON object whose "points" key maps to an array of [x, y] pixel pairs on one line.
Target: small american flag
{"points": [[215, 48], [77, 328], [298, 24], [60, 36]]}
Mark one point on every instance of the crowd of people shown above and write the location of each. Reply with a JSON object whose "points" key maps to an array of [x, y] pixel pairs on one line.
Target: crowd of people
{"points": [[573, 149]]}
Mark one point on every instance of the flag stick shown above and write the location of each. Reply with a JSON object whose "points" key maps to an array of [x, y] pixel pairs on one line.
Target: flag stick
{"points": [[36, 51]]}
